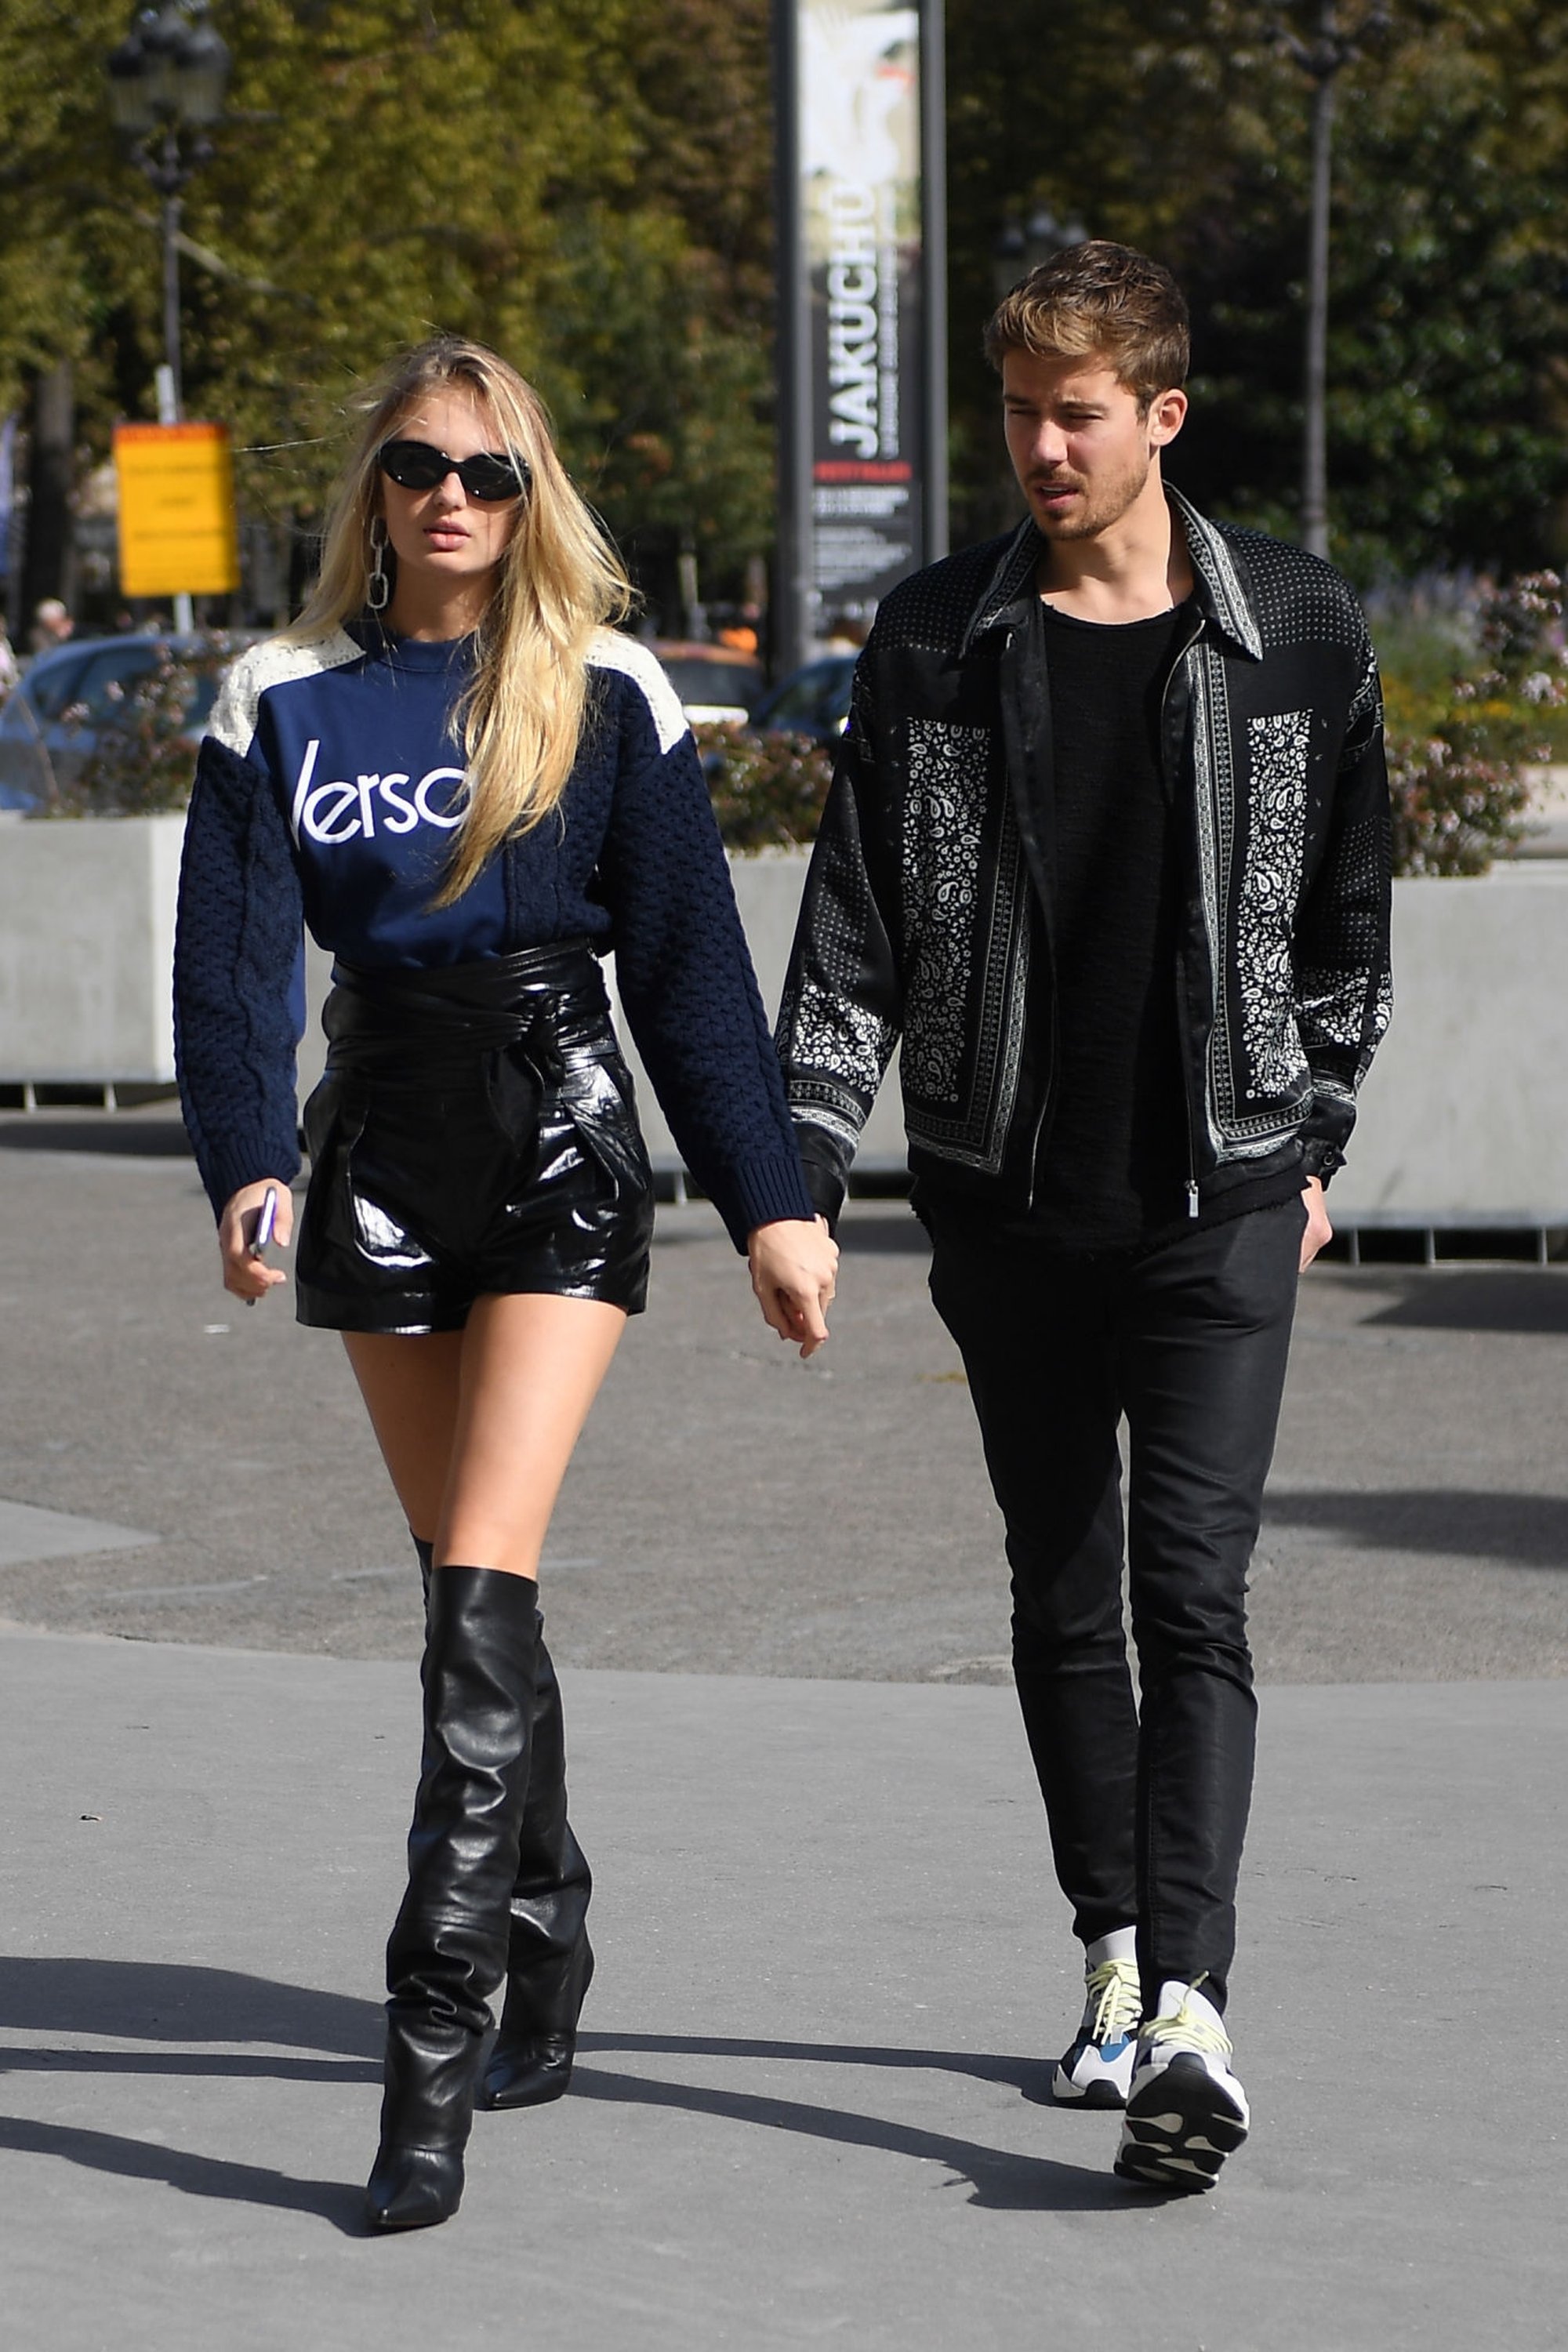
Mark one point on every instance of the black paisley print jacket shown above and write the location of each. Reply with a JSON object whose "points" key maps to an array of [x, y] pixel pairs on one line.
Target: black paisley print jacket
{"points": [[926, 921]]}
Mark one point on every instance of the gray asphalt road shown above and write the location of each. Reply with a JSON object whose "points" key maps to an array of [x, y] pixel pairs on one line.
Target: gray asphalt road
{"points": [[731, 1510], [831, 1965], [808, 2107]]}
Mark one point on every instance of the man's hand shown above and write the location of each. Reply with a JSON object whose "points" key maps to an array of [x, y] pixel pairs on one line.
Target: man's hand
{"points": [[1319, 1229], [249, 1277], [794, 1266]]}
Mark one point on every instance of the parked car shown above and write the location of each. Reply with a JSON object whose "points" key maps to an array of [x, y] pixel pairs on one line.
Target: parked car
{"points": [[51, 720], [812, 700], [716, 683]]}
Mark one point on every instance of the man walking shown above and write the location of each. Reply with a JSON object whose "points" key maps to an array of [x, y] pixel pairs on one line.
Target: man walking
{"points": [[1108, 849]]}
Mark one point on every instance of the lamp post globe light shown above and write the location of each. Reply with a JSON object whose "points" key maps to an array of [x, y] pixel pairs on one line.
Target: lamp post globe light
{"points": [[166, 85]]}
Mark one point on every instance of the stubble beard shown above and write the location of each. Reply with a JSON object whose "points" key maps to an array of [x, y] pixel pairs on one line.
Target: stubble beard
{"points": [[1104, 504]]}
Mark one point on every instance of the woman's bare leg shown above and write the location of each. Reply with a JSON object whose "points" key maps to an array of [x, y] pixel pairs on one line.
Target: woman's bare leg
{"points": [[530, 1368], [476, 1426], [410, 1388]]}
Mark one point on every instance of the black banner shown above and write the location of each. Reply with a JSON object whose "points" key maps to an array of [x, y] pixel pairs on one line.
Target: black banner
{"points": [[865, 490]]}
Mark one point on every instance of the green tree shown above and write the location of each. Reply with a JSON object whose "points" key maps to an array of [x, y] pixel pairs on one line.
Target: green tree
{"points": [[590, 189], [386, 167], [1182, 128]]}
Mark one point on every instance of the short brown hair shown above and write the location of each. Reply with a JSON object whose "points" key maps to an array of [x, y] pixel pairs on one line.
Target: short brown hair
{"points": [[1099, 298]]}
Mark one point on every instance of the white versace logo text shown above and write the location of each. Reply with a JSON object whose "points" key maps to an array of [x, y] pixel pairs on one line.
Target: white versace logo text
{"points": [[347, 811]]}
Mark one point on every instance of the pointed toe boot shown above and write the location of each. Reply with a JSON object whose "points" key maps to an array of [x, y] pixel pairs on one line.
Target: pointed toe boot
{"points": [[532, 2058], [414, 2187]]}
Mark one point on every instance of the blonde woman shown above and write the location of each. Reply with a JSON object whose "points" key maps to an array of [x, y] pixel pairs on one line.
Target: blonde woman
{"points": [[470, 786]]}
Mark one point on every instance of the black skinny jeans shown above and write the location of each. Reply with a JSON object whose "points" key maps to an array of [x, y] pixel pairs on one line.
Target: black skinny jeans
{"points": [[1147, 1802]]}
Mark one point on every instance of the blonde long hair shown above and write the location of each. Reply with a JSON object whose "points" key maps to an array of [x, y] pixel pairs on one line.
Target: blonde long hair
{"points": [[519, 719]]}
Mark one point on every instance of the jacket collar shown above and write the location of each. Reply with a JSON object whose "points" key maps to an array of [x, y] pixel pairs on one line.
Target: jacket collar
{"points": [[1224, 593], [1011, 575]]}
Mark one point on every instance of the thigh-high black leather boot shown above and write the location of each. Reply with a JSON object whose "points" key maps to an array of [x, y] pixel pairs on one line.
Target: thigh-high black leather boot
{"points": [[447, 1949], [550, 1961]]}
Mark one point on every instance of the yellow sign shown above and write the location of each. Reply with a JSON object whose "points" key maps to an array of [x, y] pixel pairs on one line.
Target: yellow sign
{"points": [[177, 531]]}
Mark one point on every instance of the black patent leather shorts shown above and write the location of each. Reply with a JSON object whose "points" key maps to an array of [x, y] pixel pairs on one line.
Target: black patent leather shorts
{"points": [[474, 1132]]}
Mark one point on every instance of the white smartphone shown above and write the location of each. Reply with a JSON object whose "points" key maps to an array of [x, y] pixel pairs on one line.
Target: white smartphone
{"points": [[266, 1219]]}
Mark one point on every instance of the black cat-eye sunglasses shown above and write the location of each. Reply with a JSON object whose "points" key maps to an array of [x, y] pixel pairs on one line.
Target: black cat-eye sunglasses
{"points": [[417, 465]]}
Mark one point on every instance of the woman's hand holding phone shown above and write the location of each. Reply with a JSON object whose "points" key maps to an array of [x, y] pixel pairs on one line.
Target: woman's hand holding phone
{"points": [[254, 1218]]}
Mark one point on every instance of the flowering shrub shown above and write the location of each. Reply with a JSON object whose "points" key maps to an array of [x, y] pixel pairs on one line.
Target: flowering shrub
{"points": [[1456, 756], [142, 760], [765, 788]]}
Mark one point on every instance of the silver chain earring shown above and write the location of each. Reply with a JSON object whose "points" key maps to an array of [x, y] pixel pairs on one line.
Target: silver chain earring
{"points": [[379, 590]]}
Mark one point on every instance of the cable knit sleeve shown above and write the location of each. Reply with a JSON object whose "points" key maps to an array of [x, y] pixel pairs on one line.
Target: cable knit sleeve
{"points": [[236, 941], [683, 967]]}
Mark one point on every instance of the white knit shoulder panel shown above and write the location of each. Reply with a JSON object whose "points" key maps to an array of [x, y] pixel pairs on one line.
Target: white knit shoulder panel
{"points": [[611, 649], [276, 662]]}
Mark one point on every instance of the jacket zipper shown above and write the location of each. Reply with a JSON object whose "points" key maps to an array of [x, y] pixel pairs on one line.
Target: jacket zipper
{"points": [[1192, 1183], [1053, 1042], [1045, 1112]]}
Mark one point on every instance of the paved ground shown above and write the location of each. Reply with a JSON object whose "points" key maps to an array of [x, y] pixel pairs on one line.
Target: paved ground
{"points": [[832, 1965], [809, 2107], [732, 1511]]}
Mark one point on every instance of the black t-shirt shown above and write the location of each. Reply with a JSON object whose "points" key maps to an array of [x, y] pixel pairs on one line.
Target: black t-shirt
{"points": [[1115, 1160]]}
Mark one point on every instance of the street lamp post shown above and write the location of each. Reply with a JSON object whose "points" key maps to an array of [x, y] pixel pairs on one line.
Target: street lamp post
{"points": [[1322, 59], [166, 85]]}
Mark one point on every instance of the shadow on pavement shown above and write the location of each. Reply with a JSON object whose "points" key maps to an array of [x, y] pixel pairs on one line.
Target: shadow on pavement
{"points": [[1026, 2075], [122, 1135], [1001, 2180], [157, 2002], [233, 2066], [1440, 1301], [337, 2202], [1531, 1531], [154, 2000]]}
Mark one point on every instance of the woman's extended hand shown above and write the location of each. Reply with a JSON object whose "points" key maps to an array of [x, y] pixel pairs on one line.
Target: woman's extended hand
{"points": [[794, 1266], [251, 1278]]}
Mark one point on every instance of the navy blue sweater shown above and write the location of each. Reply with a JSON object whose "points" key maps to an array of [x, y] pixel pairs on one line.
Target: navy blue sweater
{"points": [[324, 795]]}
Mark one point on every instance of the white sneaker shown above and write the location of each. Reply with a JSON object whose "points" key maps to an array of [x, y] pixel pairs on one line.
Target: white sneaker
{"points": [[1185, 2110], [1096, 2069]]}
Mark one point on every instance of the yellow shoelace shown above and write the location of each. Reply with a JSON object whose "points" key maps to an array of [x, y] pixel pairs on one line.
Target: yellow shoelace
{"points": [[1114, 1989], [1194, 2032]]}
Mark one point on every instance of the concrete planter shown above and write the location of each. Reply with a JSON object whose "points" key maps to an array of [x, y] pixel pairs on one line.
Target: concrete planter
{"points": [[1546, 835], [86, 926], [1465, 1117], [1464, 1122], [768, 886]]}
